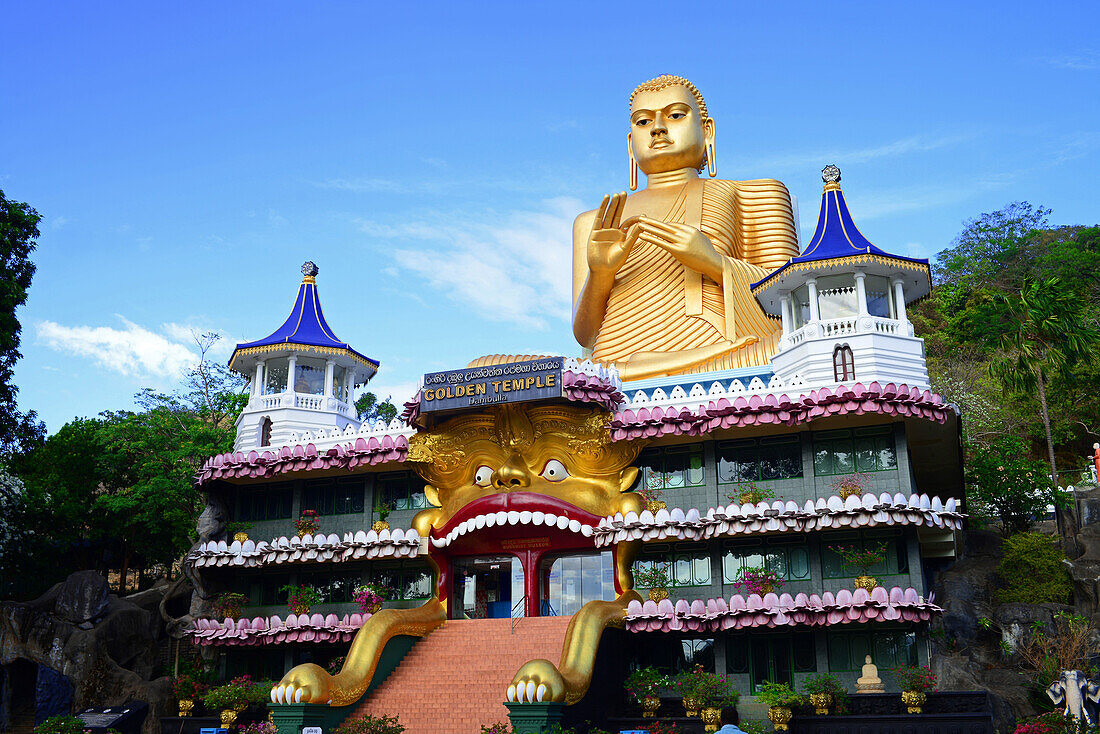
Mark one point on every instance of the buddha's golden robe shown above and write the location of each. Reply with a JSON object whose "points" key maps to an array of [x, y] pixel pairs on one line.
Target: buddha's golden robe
{"points": [[659, 305]]}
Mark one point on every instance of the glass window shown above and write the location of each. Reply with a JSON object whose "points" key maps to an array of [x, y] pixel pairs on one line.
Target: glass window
{"points": [[770, 657], [309, 376], [405, 581], [671, 467], [683, 569], [401, 491], [848, 651], [274, 502], [755, 460], [570, 582], [339, 389], [334, 496], [846, 452], [671, 655], [335, 588], [836, 296], [833, 566], [790, 563], [800, 306], [275, 375], [879, 299]]}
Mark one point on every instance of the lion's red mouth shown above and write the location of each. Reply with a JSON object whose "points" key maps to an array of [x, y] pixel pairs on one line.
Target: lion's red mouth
{"points": [[511, 509]]}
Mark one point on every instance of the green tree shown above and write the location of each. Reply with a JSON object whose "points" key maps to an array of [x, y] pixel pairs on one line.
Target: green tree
{"points": [[1047, 333], [1003, 483], [370, 409], [18, 235]]}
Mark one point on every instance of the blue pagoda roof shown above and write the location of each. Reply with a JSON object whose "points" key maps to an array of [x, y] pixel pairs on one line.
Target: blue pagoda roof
{"points": [[836, 237], [304, 327]]}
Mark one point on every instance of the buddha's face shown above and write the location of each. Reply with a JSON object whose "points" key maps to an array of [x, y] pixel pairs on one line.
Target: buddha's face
{"points": [[667, 131]]}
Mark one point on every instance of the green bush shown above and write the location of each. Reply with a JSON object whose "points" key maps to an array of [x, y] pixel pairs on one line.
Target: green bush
{"points": [[1034, 571], [60, 725], [370, 725]]}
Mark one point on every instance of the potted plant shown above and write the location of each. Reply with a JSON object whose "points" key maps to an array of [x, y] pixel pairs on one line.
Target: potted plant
{"points": [[308, 523], [63, 724], [687, 683], [642, 686], [653, 577], [852, 485], [750, 493], [258, 727], [824, 690], [651, 493], [186, 689], [714, 692], [370, 597], [300, 599], [780, 698], [757, 580], [228, 604], [238, 531], [915, 682], [334, 666], [230, 699], [862, 559], [383, 510]]}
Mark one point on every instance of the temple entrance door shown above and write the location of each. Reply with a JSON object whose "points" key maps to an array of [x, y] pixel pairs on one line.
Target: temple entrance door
{"points": [[486, 587], [571, 581]]}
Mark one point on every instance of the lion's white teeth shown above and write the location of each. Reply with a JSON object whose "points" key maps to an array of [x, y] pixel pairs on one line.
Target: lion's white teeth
{"points": [[549, 519], [480, 521], [575, 526], [537, 518], [563, 522], [513, 518], [502, 518], [525, 517], [586, 531]]}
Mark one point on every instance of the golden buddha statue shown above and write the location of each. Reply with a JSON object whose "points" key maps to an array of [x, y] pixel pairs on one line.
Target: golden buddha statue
{"points": [[661, 277]]}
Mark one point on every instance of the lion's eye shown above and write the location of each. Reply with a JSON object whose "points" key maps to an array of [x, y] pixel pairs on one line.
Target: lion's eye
{"points": [[483, 477], [555, 471]]}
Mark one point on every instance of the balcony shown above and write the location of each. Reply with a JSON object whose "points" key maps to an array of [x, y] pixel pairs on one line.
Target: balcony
{"points": [[302, 401]]}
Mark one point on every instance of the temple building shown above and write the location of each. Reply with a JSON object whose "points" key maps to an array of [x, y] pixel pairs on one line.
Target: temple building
{"points": [[524, 495]]}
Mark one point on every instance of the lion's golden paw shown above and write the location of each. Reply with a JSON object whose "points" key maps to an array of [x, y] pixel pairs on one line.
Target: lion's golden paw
{"points": [[307, 683], [536, 682]]}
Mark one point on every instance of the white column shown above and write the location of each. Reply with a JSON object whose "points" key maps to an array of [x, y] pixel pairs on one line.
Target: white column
{"points": [[291, 366], [258, 380], [330, 367], [349, 385], [785, 313], [815, 311], [861, 292], [899, 300]]}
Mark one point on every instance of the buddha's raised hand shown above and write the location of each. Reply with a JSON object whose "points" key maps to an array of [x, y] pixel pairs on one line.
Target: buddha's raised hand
{"points": [[608, 245]]}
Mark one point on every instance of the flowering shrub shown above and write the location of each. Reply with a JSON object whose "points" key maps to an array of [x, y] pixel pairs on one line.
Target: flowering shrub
{"points": [[259, 727], [653, 576], [229, 603], [854, 484], [368, 596], [751, 492], [308, 524], [370, 725], [61, 725], [498, 728], [779, 694], [383, 510], [861, 558], [185, 687], [757, 580], [1005, 484], [301, 598], [335, 665], [1052, 722], [711, 689], [915, 678], [231, 694], [662, 727], [644, 683]]}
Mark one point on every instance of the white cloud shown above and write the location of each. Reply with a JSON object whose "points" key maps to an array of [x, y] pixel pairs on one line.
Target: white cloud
{"points": [[1086, 60], [58, 222], [516, 268], [133, 351]]}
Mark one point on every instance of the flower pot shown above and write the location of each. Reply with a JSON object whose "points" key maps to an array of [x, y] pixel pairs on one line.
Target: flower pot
{"points": [[240, 537], [372, 608], [779, 716], [914, 700], [654, 505], [380, 525], [766, 589], [866, 582], [692, 705], [849, 491], [228, 718], [301, 609], [711, 717], [821, 702], [233, 611], [750, 498], [658, 594], [186, 707], [239, 707], [650, 704]]}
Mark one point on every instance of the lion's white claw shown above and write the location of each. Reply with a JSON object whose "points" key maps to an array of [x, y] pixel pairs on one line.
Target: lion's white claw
{"points": [[274, 692], [279, 693], [512, 692], [540, 691], [530, 691], [298, 696], [288, 694]]}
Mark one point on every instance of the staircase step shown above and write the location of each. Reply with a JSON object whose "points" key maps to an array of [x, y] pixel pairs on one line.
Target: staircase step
{"points": [[455, 679]]}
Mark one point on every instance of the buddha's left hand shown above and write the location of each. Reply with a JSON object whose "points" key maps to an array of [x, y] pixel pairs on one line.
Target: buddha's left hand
{"points": [[685, 243]]}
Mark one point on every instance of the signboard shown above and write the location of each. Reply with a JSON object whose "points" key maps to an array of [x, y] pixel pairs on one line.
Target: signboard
{"points": [[516, 382], [311, 730]]}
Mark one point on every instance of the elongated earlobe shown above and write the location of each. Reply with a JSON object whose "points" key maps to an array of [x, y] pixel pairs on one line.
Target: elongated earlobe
{"points": [[633, 164], [708, 132]]}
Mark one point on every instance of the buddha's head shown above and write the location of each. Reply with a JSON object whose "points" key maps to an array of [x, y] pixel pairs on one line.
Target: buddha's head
{"points": [[669, 125]]}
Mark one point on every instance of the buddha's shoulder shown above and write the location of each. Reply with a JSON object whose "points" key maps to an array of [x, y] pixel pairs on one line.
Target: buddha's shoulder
{"points": [[751, 188]]}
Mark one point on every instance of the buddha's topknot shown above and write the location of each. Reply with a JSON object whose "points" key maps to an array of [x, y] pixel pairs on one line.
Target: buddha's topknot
{"points": [[668, 80]]}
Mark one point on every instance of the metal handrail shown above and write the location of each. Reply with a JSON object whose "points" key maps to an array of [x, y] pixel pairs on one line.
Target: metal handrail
{"points": [[521, 605]]}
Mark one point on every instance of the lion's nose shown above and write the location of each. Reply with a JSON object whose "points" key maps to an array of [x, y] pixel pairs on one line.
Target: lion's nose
{"points": [[513, 474]]}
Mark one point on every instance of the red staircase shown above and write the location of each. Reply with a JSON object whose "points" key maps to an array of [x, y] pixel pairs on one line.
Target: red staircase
{"points": [[456, 679]]}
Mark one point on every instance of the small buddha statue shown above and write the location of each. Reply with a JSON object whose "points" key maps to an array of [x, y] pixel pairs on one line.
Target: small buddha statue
{"points": [[869, 682], [661, 277]]}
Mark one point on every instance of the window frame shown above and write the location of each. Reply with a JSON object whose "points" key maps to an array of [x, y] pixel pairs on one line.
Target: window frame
{"points": [[882, 435], [662, 453], [759, 446]]}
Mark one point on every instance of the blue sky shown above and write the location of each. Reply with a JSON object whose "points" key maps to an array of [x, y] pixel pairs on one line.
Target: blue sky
{"points": [[430, 157]]}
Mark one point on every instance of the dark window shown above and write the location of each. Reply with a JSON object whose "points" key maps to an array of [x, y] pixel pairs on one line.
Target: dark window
{"points": [[405, 581], [671, 467], [861, 450], [754, 460], [770, 657], [264, 590], [273, 502], [335, 588], [265, 432], [790, 563], [832, 565], [844, 363], [671, 655], [887, 648], [334, 496], [690, 568], [401, 491]]}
